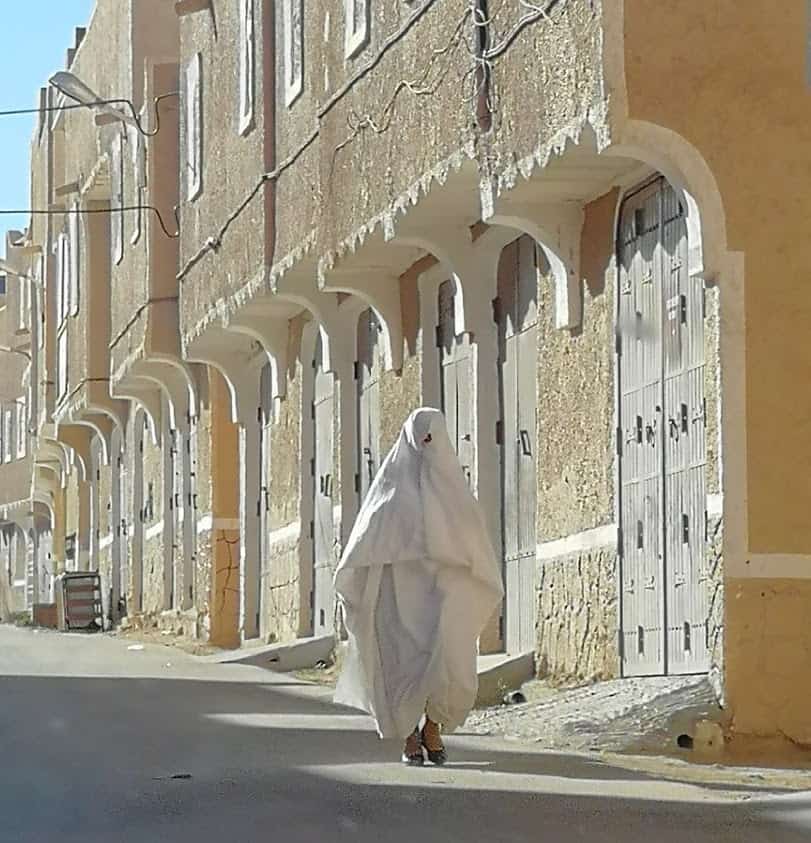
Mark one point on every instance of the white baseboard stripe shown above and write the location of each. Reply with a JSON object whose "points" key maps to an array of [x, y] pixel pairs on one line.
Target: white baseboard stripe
{"points": [[154, 531], [790, 566], [289, 533], [604, 536], [715, 505]]}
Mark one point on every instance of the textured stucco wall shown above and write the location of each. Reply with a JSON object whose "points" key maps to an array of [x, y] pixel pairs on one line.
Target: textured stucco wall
{"points": [[545, 87], [576, 392], [232, 165], [578, 617]]}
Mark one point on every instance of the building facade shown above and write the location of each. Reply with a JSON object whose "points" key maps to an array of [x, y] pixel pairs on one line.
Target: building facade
{"points": [[548, 221]]}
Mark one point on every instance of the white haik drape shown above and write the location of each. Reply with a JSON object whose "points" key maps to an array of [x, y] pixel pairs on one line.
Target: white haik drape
{"points": [[418, 581]]}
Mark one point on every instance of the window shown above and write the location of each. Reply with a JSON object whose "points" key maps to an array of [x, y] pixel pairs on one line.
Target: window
{"points": [[357, 26], [74, 259], [22, 304], [247, 65], [62, 277], [8, 436], [138, 146], [193, 129], [293, 50], [21, 429], [117, 199], [62, 309]]}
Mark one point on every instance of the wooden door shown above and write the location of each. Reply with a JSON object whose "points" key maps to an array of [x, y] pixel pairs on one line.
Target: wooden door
{"points": [[660, 440], [517, 317], [323, 600]]}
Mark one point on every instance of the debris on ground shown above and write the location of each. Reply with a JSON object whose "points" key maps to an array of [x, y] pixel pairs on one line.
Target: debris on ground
{"points": [[641, 715]]}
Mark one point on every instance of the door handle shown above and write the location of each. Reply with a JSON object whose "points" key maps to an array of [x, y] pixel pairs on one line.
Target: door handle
{"points": [[526, 449]]}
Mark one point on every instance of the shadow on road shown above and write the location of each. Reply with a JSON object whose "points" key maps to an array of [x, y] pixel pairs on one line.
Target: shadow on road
{"points": [[92, 760]]}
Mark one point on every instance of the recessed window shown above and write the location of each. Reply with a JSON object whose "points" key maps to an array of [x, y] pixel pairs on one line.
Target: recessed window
{"points": [[74, 258], [247, 65], [138, 146], [22, 442], [293, 50], [117, 199], [193, 128], [357, 26]]}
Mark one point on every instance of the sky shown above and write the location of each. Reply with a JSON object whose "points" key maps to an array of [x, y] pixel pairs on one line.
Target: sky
{"points": [[34, 38]]}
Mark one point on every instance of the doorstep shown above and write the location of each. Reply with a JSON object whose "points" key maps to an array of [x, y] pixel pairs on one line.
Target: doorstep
{"points": [[281, 658], [501, 673]]}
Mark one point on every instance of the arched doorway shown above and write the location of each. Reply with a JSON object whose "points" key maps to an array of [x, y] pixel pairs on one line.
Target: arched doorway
{"points": [[516, 313], [661, 439], [367, 374], [323, 600], [456, 379], [265, 416]]}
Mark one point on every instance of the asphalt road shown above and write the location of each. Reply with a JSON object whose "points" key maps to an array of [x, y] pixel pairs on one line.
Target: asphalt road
{"points": [[99, 742]]}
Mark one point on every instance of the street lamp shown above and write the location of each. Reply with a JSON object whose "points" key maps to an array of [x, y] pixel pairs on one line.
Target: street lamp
{"points": [[74, 88]]}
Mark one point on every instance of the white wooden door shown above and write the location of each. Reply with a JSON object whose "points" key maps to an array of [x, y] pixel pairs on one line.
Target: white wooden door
{"points": [[660, 440], [517, 316], [367, 373], [324, 479], [265, 417], [456, 381]]}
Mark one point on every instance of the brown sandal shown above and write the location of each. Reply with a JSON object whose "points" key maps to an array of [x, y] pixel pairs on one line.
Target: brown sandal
{"points": [[413, 756], [433, 744]]}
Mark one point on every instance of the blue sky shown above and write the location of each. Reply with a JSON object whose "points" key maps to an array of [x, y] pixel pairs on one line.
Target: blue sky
{"points": [[34, 39]]}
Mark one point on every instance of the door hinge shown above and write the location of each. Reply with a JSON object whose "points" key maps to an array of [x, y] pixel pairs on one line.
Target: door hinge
{"points": [[618, 441], [312, 529], [500, 432], [356, 370], [312, 467], [312, 410], [621, 645], [357, 483]]}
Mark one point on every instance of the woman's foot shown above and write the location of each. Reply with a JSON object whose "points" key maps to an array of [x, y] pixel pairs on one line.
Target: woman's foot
{"points": [[432, 741], [413, 755]]}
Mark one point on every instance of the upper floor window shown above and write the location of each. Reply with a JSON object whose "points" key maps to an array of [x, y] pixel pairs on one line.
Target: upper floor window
{"points": [[247, 65], [357, 26], [138, 147], [8, 436], [22, 443], [74, 259], [117, 199], [23, 304], [193, 128], [293, 50]]}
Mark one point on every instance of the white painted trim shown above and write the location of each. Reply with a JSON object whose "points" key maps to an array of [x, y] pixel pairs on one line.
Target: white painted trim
{"points": [[715, 505], [208, 523], [599, 537], [155, 530], [775, 566], [106, 541], [284, 534]]}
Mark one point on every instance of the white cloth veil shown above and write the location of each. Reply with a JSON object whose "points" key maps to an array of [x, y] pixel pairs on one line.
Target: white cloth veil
{"points": [[418, 581]]}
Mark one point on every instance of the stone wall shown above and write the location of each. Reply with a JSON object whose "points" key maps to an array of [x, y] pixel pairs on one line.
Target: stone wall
{"points": [[578, 617]]}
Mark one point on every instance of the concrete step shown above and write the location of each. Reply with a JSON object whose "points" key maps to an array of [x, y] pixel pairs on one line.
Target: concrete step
{"points": [[283, 658], [501, 673]]}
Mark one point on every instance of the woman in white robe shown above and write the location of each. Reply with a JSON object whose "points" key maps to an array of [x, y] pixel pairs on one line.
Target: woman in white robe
{"points": [[418, 581]]}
